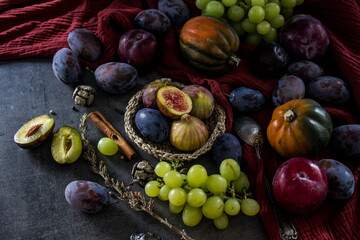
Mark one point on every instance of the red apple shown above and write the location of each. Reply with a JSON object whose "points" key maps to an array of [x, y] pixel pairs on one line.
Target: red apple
{"points": [[300, 186], [138, 48]]}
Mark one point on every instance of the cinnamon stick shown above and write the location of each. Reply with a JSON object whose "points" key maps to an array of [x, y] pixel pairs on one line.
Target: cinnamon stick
{"points": [[109, 130]]}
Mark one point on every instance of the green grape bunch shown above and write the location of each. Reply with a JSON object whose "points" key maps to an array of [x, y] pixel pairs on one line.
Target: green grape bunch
{"points": [[195, 194], [256, 21]]}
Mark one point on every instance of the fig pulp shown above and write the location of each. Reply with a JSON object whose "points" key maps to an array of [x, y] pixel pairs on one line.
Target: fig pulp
{"points": [[172, 102], [188, 133], [202, 100], [33, 133]]}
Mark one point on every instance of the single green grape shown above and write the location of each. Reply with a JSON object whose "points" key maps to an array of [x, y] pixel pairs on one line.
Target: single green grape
{"points": [[221, 222], [191, 216], [288, 3], [241, 183], [164, 193], [177, 196], [228, 3], [196, 176], [216, 184], [230, 169], [213, 207], [260, 3], [215, 9], [107, 146], [277, 21], [152, 188], [253, 39], [161, 168], [173, 179], [201, 4], [176, 209], [287, 12], [256, 14], [232, 207], [250, 207], [263, 27], [271, 10], [238, 28], [235, 13], [248, 26], [271, 36], [196, 197]]}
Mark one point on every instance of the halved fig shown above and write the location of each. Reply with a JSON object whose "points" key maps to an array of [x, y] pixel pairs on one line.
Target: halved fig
{"points": [[172, 102], [33, 133], [66, 145]]}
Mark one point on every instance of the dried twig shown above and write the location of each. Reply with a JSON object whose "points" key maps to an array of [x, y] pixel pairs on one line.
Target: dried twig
{"points": [[136, 200]]}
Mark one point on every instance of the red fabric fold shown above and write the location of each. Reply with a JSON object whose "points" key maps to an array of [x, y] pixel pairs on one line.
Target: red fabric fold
{"points": [[40, 28]]}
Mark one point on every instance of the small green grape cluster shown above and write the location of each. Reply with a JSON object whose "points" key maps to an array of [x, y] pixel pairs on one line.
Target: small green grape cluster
{"points": [[255, 20], [196, 194]]}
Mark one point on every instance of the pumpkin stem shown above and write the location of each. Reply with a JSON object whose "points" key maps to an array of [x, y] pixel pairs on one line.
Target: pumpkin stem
{"points": [[233, 60], [289, 115]]}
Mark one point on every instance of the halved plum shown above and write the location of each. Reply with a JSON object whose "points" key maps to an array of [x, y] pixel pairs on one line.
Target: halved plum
{"points": [[33, 133], [66, 145]]}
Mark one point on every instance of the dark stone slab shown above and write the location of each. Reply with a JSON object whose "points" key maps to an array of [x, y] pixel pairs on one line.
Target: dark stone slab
{"points": [[32, 184]]}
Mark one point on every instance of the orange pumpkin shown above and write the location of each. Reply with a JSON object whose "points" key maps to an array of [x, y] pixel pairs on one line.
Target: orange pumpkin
{"points": [[299, 127], [209, 44]]}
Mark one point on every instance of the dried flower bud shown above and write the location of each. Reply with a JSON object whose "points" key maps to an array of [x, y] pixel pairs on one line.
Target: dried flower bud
{"points": [[84, 95], [143, 172]]}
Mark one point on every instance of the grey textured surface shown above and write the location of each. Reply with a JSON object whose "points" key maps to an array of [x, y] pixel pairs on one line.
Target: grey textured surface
{"points": [[32, 184]]}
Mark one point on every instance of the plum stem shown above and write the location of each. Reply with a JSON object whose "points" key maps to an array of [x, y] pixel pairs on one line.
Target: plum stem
{"points": [[226, 95], [88, 69]]}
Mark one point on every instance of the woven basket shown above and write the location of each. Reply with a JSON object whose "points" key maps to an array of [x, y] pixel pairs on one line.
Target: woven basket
{"points": [[164, 150]]}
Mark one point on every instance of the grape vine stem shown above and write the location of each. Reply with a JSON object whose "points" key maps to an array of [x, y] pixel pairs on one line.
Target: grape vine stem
{"points": [[136, 200]]}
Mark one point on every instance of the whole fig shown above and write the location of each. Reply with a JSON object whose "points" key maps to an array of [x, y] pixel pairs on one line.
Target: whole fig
{"points": [[188, 133], [150, 92], [202, 100]]}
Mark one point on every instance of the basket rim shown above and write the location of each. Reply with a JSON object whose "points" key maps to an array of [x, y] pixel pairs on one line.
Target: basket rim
{"points": [[157, 149]]}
